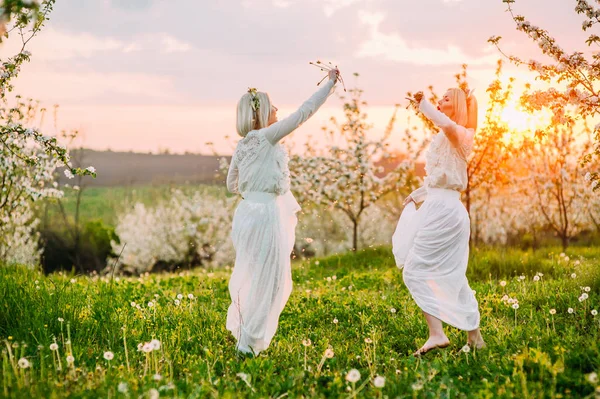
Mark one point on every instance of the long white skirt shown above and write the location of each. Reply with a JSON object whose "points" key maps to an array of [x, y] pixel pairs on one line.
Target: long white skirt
{"points": [[432, 244], [263, 235]]}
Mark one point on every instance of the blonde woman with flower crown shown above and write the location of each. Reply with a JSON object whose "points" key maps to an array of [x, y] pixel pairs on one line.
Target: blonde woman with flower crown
{"points": [[432, 243], [264, 222]]}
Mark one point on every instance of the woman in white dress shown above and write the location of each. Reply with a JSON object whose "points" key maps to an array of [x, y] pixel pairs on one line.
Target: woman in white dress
{"points": [[264, 222], [432, 243]]}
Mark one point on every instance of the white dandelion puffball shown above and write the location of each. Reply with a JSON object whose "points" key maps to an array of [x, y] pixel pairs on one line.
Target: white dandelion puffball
{"points": [[379, 382], [552, 311], [54, 347], [306, 342], [570, 310], [190, 296], [353, 376], [594, 312], [502, 283], [329, 353], [23, 363], [515, 306], [109, 355], [70, 359], [155, 344], [466, 349]]}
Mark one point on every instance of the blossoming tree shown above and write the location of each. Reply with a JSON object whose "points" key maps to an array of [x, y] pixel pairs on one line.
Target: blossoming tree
{"points": [[345, 177], [572, 90], [27, 157]]}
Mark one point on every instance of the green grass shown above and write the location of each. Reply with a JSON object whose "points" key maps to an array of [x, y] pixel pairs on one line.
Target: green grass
{"points": [[530, 353], [106, 203]]}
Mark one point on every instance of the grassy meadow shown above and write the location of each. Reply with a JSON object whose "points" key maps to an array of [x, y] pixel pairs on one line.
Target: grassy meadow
{"points": [[79, 335]]}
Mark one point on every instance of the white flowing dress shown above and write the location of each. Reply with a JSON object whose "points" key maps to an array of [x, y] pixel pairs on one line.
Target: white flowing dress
{"points": [[432, 243], [263, 230]]}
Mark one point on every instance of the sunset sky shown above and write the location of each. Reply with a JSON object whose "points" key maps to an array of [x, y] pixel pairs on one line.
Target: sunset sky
{"points": [[145, 75]]}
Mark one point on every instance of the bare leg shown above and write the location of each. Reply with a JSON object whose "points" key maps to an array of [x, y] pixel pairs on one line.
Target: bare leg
{"points": [[437, 337], [475, 339]]}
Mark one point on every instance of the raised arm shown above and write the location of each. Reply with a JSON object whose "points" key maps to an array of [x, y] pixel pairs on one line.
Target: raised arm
{"points": [[232, 177], [451, 129], [282, 128]]}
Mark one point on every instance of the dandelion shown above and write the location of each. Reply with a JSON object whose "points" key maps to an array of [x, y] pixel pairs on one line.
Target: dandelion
{"points": [[577, 263], [190, 296], [586, 289], [466, 349], [60, 319], [592, 378], [155, 344], [379, 382], [73, 281], [150, 304], [329, 353], [23, 363], [179, 296], [140, 347], [70, 359], [570, 310], [417, 386], [123, 387], [317, 263], [567, 258], [147, 347], [133, 304], [522, 277], [329, 279], [153, 394], [536, 278], [53, 347], [335, 321], [307, 342], [177, 302], [594, 312], [157, 377], [584, 295], [515, 306], [573, 275], [393, 310], [353, 376], [552, 311], [109, 355], [502, 283], [368, 340], [334, 278]]}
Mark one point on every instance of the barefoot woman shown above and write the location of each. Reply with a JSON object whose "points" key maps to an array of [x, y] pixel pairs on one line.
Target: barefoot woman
{"points": [[264, 223], [437, 243]]}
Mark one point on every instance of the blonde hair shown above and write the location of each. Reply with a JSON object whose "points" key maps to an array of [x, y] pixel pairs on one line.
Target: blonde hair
{"points": [[465, 108], [247, 118]]}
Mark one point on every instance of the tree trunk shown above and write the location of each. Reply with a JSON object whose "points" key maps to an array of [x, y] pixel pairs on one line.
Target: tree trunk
{"points": [[355, 236]]}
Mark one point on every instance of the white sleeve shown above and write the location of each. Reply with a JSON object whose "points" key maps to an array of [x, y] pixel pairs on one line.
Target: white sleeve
{"points": [[232, 177], [451, 129], [419, 194], [282, 128]]}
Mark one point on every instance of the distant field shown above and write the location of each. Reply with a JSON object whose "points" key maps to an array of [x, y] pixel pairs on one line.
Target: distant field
{"points": [[106, 203]]}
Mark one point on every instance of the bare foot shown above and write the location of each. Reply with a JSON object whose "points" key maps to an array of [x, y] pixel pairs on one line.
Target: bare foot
{"points": [[475, 340], [433, 343]]}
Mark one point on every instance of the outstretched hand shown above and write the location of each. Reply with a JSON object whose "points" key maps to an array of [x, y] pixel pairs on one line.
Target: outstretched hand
{"points": [[416, 99], [408, 200], [334, 74]]}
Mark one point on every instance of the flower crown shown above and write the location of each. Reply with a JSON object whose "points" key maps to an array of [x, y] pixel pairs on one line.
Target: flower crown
{"points": [[254, 101]]}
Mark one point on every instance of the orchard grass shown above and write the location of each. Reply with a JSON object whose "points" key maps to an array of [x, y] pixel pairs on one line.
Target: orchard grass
{"points": [[354, 304]]}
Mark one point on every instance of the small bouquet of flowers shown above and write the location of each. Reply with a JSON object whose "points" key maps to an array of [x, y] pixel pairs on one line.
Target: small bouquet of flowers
{"points": [[327, 67]]}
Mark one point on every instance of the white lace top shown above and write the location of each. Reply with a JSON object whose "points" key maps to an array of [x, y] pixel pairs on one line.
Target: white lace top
{"points": [[260, 162], [445, 162]]}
